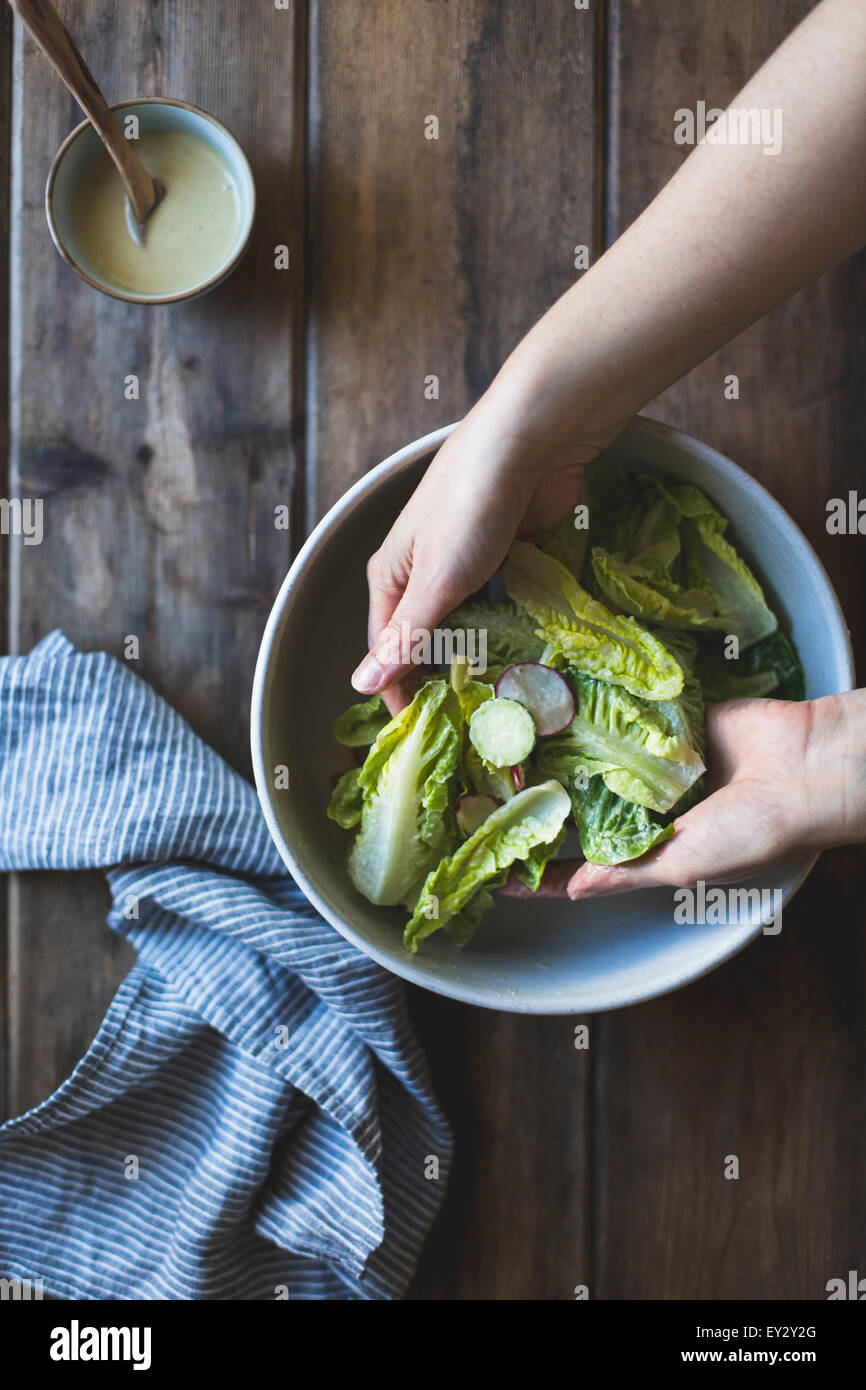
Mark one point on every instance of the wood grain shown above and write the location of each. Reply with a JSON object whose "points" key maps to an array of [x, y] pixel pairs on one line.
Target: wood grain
{"points": [[434, 257], [159, 512], [411, 258], [763, 1059]]}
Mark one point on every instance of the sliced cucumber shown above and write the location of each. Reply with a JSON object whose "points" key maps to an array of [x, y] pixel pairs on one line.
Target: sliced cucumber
{"points": [[503, 732]]}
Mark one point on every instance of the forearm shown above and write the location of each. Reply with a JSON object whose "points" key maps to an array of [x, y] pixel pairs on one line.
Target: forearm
{"points": [[732, 234]]}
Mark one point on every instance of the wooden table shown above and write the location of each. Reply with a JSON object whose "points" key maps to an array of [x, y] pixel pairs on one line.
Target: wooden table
{"points": [[412, 257]]}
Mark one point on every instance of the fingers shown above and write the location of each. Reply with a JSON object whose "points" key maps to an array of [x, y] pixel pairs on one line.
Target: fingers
{"points": [[743, 828], [599, 880], [400, 641], [401, 693], [679, 862], [386, 584], [553, 883]]}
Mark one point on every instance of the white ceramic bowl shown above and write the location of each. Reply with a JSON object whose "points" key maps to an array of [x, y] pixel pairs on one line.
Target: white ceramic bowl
{"points": [[547, 957], [82, 146]]}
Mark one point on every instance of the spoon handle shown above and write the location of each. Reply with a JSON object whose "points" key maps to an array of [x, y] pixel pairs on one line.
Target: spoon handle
{"points": [[50, 33]]}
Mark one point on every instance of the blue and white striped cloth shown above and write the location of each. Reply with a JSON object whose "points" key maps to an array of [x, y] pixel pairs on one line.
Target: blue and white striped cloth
{"points": [[254, 1119]]}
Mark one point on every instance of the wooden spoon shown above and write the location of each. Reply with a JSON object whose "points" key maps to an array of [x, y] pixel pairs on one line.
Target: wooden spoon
{"points": [[49, 31]]}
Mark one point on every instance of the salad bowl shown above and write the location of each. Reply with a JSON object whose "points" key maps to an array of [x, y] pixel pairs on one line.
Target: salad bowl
{"points": [[544, 956]]}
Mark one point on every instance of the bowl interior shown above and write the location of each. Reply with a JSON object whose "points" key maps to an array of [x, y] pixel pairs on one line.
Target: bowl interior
{"points": [[85, 146], [544, 957]]}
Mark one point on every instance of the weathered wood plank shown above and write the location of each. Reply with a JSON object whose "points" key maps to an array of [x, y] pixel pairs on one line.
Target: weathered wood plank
{"points": [[763, 1059], [159, 512], [432, 257]]}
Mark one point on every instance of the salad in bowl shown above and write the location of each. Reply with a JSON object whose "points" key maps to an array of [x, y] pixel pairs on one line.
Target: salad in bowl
{"points": [[576, 702]]}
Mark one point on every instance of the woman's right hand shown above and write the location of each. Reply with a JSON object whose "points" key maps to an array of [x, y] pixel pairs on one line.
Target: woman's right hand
{"points": [[487, 485]]}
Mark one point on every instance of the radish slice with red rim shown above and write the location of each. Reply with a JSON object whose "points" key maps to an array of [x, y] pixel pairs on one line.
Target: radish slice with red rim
{"points": [[542, 691]]}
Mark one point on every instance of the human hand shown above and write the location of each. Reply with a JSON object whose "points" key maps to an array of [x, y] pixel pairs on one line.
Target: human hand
{"points": [[487, 485], [787, 779]]}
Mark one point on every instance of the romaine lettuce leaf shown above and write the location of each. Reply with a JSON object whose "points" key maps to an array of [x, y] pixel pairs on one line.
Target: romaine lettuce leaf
{"points": [[464, 924], [627, 741], [407, 784], [361, 724], [567, 544], [673, 564], [530, 870], [510, 635], [611, 829], [770, 667], [533, 817], [655, 546], [347, 799], [685, 713], [616, 503], [649, 597], [713, 565], [592, 639]]}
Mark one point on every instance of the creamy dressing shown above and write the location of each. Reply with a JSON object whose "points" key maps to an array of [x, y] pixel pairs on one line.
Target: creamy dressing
{"points": [[188, 237]]}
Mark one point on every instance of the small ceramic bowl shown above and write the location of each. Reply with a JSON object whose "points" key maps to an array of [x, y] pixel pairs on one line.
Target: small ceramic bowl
{"points": [[82, 146], [546, 957]]}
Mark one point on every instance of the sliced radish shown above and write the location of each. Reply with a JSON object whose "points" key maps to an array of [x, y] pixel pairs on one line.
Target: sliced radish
{"points": [[502, 731], [473, 809], [518, 777], [542, 691]]}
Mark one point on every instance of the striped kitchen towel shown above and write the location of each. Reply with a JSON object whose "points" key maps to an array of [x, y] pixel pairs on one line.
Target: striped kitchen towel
{"points": [[254, 1118]]}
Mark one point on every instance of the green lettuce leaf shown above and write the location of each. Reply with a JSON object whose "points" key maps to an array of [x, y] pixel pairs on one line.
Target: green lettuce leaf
{"points": [[531, 869], [464, 924], [510, 636], [650, 597], [591, 638], [655, 546], [616, 503], [533, 817], [361, 724], [770, 667], [713, 565], [567, 544], [673, 565], [407, 785], [347, 799], [611, 829], [627, 741], [685, 715]]}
